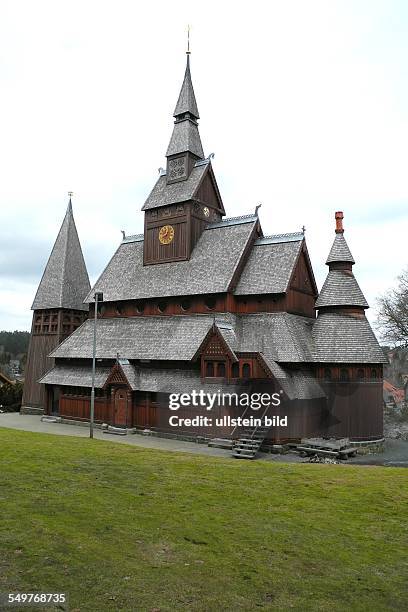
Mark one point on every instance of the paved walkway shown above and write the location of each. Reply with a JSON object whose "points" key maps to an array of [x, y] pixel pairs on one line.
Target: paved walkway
{"points": [[28, 422], [396, 451]]}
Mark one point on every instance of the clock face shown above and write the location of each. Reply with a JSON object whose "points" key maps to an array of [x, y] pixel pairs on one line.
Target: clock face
{"points": [[166, 234], [206, 211]]}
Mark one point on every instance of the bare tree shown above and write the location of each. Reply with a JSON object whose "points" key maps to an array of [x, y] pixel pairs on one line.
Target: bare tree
{"points": [[393, 312]]}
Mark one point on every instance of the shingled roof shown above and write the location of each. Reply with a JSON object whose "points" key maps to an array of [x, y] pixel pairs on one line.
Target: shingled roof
{"points": [[281, 337], [75, 376], [164, 194], [186, 102], [296, 385], [210, 268], [340, 251], [185, 137], [270, 265], [65, 281], [341, 289], [158, 337], [341, 338]]}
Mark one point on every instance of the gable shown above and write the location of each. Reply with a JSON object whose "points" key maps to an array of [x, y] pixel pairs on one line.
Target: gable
{"points": [[217, 343], [302, 278], [208, 192], [117, 377], [270, 265]]}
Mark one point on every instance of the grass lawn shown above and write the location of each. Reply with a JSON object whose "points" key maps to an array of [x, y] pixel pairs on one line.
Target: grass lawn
{"points": [[122, 528]]}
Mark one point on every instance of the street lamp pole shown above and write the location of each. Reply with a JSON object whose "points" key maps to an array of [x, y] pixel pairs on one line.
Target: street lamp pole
{"points": [[98, 298]]}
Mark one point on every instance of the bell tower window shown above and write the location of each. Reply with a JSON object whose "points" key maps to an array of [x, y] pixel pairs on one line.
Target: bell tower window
{"points": [[177, 169]]}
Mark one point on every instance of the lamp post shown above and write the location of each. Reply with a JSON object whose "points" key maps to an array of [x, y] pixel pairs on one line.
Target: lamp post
{"points": [[98, 298]]}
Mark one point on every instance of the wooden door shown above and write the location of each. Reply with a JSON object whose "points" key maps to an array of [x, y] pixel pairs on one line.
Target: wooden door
{"points": [[120, 407]]}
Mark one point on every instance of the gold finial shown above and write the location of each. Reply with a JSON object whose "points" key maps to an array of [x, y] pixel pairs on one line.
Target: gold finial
{"points": [[188, 52]]}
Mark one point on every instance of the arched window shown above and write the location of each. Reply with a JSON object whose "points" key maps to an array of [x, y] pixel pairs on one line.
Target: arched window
{"points": [[235, 370], [140, 307], [374, 374], [209, 369], [344, 375], [246, 370], [327, 374], [221, 369], [360, 374], [185, 305], [210, 302], [162, 306]]}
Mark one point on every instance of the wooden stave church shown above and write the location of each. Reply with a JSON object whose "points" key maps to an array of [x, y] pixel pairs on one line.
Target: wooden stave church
{"points": [[200, 301]]}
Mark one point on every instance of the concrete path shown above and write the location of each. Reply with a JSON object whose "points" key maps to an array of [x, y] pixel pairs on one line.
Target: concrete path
{"points": [[396, 451], [28, 422]]}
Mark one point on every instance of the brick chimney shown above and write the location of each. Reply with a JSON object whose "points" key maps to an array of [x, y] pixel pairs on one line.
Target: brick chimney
{"points": [[339, 222]]}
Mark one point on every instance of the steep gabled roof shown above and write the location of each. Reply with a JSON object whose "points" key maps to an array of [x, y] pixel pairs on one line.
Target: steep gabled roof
{"points": [[210, 269], [65, 281], [341, 289], [340, 251], [270, 265], [163, 194], [279, 336]]}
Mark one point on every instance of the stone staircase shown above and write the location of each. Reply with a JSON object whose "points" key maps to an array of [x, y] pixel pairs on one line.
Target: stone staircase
{"points": [[249, 443]]}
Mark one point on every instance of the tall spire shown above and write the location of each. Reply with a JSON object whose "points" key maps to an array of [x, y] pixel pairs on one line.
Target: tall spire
{"points": [[186, 102], [186, 137], [65, 281]]}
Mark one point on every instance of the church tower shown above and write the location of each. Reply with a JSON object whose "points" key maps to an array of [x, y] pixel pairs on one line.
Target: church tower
{"points": [[186, 197], [58, 309], [341, 291]]}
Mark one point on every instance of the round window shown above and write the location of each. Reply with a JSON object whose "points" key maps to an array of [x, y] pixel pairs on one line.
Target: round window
{"points": [[210, 302]]}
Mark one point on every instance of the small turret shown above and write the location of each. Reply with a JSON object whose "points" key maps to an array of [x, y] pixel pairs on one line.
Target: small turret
{"points": [[340, 289]]}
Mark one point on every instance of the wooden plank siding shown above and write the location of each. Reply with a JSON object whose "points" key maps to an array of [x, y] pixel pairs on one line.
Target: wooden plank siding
{"points": [[79, 408], [295, 302], [356, 408]]}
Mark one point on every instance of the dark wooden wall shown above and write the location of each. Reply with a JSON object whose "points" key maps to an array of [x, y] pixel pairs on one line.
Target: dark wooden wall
{"points": [[38, 363], [79, 408], [355, 410], [49, 328], [294, 302], [352, 410]]}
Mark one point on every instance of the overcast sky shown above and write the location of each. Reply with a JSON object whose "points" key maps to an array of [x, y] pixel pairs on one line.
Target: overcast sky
{"points": [[305, 105]]}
